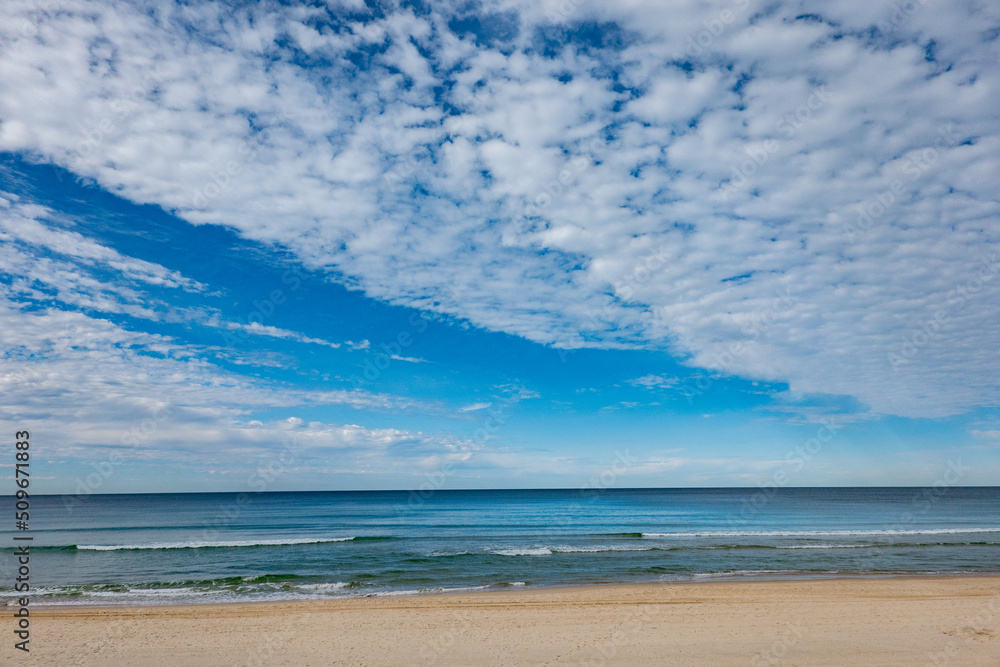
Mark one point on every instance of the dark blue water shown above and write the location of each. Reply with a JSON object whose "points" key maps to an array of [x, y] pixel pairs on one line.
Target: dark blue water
{"points": [[166, 548]]}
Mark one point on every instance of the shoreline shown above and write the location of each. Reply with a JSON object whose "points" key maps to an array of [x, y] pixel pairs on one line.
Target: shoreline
{"points": [[488, 589], [846, 620]]}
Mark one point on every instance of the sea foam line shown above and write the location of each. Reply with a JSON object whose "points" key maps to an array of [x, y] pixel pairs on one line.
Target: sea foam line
{"points": [[566, 549], [825, 533], [207, 545]]}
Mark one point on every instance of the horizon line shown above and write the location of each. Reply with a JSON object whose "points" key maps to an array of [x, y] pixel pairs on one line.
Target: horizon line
{"points": [[757, 487]]}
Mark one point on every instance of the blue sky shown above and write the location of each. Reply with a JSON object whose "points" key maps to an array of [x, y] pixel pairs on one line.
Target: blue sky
{"points": [[501, 244]]}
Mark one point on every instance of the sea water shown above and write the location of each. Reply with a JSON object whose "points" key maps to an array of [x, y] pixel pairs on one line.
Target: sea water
{"points": [[183, 548]]}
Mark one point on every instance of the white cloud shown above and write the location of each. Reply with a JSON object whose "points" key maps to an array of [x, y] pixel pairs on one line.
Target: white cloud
{"points": [[98, 368], [72, 276], [598, 196], [653, 381], [475, 406], [90, 390], [412, 360], [86, 381], [21, 223], [276, 332]]}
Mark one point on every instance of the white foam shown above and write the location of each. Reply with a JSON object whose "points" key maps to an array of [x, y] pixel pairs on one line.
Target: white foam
{"points": [[165, 592], [599, 549], [828, 546], [533, 551], [320, 588], [566, 549], [419, 591], [131, 593], [824, 533], [735, 573], [204, 545]]}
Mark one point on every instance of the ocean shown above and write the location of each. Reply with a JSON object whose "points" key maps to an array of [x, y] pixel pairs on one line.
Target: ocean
{"points": [[221, 547]]}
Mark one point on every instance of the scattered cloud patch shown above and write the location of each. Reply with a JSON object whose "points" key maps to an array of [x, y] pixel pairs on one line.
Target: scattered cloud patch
{"points": [[475, 406], [752, 199], [412, 360], [653, 381]]}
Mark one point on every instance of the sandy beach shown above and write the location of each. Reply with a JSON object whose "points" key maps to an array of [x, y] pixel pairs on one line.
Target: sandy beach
{"points": [[864, 621]]}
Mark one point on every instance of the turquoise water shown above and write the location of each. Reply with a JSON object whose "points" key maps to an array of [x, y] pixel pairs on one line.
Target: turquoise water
{"points": [[173, 548]]}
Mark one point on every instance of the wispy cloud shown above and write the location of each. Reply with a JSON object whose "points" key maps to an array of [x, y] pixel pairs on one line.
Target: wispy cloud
{"points": [[412, 360], [653, 381]]}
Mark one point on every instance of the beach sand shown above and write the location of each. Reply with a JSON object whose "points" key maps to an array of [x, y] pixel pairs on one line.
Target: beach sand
{"points": [[853, 621]]}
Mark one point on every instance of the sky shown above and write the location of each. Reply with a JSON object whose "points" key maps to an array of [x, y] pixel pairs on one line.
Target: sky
{"points": [[407, 245]]}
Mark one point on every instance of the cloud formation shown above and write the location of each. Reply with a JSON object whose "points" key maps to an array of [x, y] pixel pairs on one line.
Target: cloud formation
{"points": [[76, 374], [798, 192], [653, 381]]}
